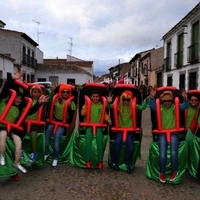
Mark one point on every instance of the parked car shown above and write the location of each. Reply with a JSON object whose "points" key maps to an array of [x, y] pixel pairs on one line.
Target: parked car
{"points": [[47, 86]]}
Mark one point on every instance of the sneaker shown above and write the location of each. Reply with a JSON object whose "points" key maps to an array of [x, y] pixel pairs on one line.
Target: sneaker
{"points": [[2, 160], [162, 178], [33, 157], [128, 169], [46, 156], [173, 176], [88, 165], [15, 177], [100, 165], [115, 167], [20, 167], [55, 163]]}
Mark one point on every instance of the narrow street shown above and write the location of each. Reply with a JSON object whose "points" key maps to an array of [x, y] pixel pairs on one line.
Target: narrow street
{"points": [[72, 183]]}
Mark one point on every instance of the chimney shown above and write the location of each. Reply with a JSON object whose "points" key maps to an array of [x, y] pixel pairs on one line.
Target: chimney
{"points": [[2, 24]]}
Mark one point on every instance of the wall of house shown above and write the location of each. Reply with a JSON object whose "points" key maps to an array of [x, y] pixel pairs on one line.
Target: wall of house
{"points": [[6, 66], [79, 78], [10, 43]]}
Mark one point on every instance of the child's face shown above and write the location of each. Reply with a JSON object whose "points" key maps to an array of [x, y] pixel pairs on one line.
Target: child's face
{"points": [[126, 101], [194, 102], [65, 94], [167, 103], [95, 98], [18, 100], [36, 94]]}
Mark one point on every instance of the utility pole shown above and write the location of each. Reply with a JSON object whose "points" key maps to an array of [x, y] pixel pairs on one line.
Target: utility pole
{"points": [[70, 47]]}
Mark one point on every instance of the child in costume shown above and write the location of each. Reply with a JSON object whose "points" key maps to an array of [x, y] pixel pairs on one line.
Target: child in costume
{"points": [[95, 116], [38, 99], [168, 122], [193, 110], [12, 116], [64, 95], [125, 120]]}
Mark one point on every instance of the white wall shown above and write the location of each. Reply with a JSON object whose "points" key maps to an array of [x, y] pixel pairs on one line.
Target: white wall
{"points": [[6, 65]]}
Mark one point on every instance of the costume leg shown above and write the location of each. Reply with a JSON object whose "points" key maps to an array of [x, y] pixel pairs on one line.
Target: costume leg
{"points": [[99, 139], [48, 133], [174, 152], [129, 148], [117, 147], [57, 138], [3, 135], [33, 140], [18, 147], [88, 143], [162, 143]]}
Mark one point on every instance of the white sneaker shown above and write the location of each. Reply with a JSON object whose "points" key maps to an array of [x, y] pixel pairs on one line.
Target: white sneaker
{"points": [[45, 157], [20, 167], [2, 160], [54, 163]]}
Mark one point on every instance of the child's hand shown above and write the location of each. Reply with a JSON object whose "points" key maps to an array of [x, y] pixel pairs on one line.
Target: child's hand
{"points": [[43, 99], [109, 122], [152, 93], [184, 94], [109, 98], [18, 75]]}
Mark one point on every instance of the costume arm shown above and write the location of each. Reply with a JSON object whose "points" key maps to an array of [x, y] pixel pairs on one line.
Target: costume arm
{"points": [[143, 106], [151, 103], [107, 118], [184, 105], [83, 111], [5, 90]]}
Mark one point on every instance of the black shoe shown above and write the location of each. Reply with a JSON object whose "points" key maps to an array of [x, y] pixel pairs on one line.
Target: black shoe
{"points": [[128, 169], [115, 167]]}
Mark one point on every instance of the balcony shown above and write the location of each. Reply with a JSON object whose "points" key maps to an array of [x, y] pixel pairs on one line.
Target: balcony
{"points": [[167, 64], [178, 59], [28, 60], [193, 53]]}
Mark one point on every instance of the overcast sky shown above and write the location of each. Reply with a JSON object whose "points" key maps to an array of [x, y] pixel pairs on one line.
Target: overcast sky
{"points": [[106, 32]]}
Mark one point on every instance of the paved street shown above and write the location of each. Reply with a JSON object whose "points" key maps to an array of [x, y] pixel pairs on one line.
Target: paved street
{"points": [[72, 183]]}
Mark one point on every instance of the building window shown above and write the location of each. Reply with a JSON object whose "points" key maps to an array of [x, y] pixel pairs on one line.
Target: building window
{"points": [[192, 81], [71, 81], [182, 81], [167, 60], [169, 81], [178, 57], [24, 54]]}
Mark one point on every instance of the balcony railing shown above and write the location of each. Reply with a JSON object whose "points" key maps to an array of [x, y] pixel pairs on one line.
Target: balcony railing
{"points": [[167, 64], [28, 60], [178, 59], [193, 53]]}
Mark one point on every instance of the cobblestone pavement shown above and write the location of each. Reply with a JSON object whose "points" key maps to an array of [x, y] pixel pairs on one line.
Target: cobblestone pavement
{"points": [[72, 183]]}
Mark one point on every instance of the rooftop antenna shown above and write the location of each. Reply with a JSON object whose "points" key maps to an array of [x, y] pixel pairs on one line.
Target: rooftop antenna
{"points": [[71, 44], [38, 33]]}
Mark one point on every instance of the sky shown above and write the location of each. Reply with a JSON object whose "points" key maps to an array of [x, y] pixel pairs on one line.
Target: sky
{"points": [[107, 32]]}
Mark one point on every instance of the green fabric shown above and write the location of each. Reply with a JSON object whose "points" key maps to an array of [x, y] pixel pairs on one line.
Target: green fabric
{"points": [[79, 155], [193, 145], [66, 147], [96, 110], [58, 109], [8, 170], [190, 114], [168, 118], [88, 144], [152, 165], [27, 149], [121, 159], [34, 115], [125, 118], [12, 114], [33, 135]]}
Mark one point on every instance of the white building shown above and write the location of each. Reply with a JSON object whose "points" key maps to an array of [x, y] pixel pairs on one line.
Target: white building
{"points": [[182, 52]]}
